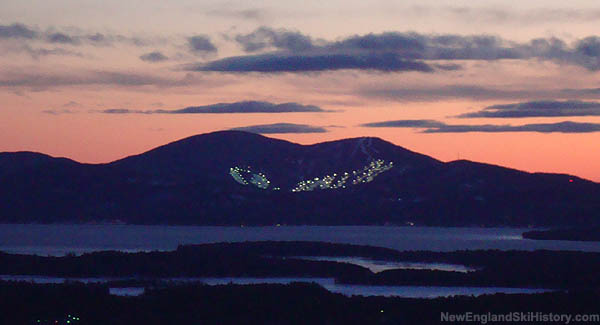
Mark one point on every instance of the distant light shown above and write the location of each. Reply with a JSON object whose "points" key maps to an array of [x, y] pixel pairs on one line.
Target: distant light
{"points": [[571, 181]]}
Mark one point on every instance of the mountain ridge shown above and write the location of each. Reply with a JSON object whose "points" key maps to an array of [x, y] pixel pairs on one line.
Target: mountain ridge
{"points": [[235, 177]]}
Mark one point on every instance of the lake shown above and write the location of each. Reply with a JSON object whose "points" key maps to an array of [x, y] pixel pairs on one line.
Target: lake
{"points": [[377, 266], [327, 283], [59, 240]]}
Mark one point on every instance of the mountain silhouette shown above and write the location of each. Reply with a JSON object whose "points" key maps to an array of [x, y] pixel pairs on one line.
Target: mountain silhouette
{"points": [[240, 178]]}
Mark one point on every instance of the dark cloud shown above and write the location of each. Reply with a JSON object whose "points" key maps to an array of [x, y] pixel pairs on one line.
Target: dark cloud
{"points": [[545, 108], [405, 124], [250, 107], [589, 46], [584, 52], [430, 126], [97, 38], [201, 44], [228, 108], [406, 45], [282, 128], [433, 47], [387, 62], [447, 66], [72, 37], [155, 56], [265, 37], [587, 53], [17, 31], [62, 38], [409, 47]]}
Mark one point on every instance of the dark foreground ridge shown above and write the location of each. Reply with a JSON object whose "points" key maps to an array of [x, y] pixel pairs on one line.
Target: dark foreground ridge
{"points": [[573, 276], [239, 178], [518, 269], [296, 303], [573, 234]]}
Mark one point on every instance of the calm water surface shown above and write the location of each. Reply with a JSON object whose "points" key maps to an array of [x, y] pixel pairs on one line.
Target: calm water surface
{"points": [[379, 265], [327, 283], [62, 239]]}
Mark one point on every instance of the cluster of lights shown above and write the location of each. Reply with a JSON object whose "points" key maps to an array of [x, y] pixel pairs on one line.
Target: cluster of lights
{"points": [[368, 173], [70, 319], [334, 181], [236, 173], [364, 175], [316, 183], [260, 181], [257, 179]]}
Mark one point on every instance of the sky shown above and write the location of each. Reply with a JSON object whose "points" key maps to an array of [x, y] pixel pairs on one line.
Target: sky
{"points": [[512, 83]]}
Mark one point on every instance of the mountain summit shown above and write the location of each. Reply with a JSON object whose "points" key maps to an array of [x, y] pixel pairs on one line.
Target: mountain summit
{"points": [[234, 177]]}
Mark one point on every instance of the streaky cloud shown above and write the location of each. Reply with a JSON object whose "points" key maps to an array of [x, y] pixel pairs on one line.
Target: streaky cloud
{"points": [[437, 93], [470, 91], [97, 38], [62, 38], [229, 108], [37, 52], [249, 107], [581, 91], [386, 62], [36, 80], [511, 16], [541, 108], [281, 128], [17, 31], [431, 126], [58, 112], [52, 36], [405, 124], [122, 111], [560, 127]]}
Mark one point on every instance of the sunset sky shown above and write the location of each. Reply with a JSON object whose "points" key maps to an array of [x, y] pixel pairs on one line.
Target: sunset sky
{"points": [[513, 83]]}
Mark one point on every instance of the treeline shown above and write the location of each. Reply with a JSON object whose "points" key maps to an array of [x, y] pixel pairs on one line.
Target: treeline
{"points": [[297, 303], [542, 269], [574, 234]]}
